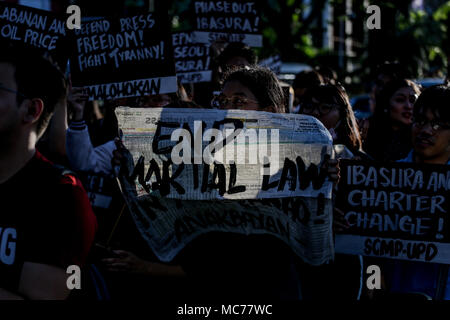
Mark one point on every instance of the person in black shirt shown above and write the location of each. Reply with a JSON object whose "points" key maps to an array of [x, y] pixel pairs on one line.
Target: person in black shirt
{"points": [[46, 222]]}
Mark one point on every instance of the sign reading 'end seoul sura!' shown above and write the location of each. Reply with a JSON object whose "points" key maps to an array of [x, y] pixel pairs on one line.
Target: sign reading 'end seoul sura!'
{"points": [[124, 57]]}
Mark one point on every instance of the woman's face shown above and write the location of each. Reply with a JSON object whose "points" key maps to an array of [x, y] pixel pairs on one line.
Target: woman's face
{"points": [[327, 113], [402, 102], [236, 96]]}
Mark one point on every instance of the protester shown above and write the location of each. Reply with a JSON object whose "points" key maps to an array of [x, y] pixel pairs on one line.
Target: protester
{"points": [[82, 155], [251, 88], [340, 279], [389, 133], [226, 264], [328, 75], [385, 73], [303, 81], [80, 151], [330, 105], [236, 54], [430, 145], [49, 224]]}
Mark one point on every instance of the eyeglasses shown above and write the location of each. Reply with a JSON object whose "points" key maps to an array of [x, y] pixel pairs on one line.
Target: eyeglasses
{"points": [[2, 87], [324, 108], [221, 101], [436, 125]]}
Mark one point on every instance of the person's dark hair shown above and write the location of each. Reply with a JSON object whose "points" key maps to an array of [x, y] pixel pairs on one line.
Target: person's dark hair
{"points": [[435, 99], [237, 49], [391, 70], [328, 75], [383, 98], [347, 131], [307, 79], [37, 77], [262, 82]]}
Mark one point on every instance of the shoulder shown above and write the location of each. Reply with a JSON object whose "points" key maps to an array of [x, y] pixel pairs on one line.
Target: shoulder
{"points": [[65, 190], [52, 172], [65, 213]]}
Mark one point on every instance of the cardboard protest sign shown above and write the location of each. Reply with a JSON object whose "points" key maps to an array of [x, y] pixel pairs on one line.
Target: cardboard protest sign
{"points": [[192, 171], [192, 60], [33, 28], [229, 21], [124, 57], [396, 210]]}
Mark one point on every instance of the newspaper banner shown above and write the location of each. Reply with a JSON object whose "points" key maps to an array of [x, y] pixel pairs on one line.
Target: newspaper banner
{"points": [[192, 60], [395, 210], [124, 57], [229, 21], [192, 171], [247, 154]]}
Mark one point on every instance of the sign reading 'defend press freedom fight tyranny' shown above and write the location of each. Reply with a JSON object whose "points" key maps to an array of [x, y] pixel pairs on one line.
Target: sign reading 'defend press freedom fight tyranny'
{"points": [[124, 57], [396, 210]]}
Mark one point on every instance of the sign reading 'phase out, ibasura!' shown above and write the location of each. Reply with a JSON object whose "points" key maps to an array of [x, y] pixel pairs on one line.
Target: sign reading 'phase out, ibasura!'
{"points": [[229, 21]]}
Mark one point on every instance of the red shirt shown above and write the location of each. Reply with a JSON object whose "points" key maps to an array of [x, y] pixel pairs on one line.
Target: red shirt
{"points": [[45, 217]]}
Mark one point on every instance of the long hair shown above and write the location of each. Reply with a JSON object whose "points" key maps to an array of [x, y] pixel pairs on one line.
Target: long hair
{"points": [[380, 131], [383, 98], [347, 131]]}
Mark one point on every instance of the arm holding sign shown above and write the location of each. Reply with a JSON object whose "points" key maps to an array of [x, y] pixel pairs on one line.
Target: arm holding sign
{"points": [[333, 170], [80, 152], [332, 166], [77, 101]]}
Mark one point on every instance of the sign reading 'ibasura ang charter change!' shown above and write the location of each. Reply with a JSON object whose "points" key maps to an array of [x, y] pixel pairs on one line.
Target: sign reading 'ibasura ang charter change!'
{"points": [[396, 210], [229, 21], [193, 171], [124, 57]]}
